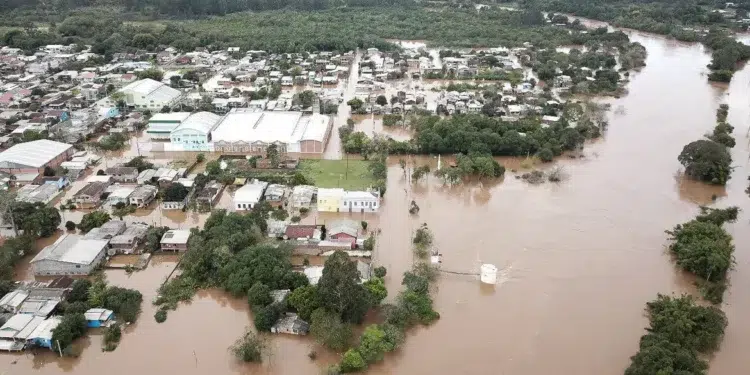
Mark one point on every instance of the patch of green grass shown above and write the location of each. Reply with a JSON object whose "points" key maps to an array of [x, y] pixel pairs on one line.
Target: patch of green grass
{"points": [[335, 173]]}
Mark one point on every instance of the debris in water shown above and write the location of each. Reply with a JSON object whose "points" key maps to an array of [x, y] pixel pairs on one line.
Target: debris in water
{"points": [[413, 208]]}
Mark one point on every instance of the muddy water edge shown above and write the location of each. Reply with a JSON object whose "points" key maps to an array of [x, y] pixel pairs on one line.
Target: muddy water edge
{"points": [[579, 259]]}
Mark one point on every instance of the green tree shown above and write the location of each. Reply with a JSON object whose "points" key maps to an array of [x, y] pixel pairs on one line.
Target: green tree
{"points": [[139, 162], [352, 361], [176, 192], [153, 238], [125, 303], [355, 104], [328, 330], [706, 160], [658, 355], [266, 316], [703, 248], [380, 272], [373, 344], [280, 214], [249, 348], [71, 327], [153, 73], [79, 291], [681, 321], [272, 154], [381, 100], [339, 288], [377, 290], [200, 158], [70, 226], [93, 220], [259, 295], [305, 301], [36, 219], [112, 337]]}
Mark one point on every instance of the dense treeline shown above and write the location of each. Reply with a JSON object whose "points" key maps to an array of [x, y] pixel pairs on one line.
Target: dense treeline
{"points": [[482, 135], [678, 19], [681, 331], [181, 8], [702, 247], [339, 29]]}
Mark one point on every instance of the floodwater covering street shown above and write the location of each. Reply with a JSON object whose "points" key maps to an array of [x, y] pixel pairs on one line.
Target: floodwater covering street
{"points": [[579, 259]]}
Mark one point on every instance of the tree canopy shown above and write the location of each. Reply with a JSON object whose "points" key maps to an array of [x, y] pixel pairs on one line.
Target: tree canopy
{"points": [[340, 290], [706, 160]]}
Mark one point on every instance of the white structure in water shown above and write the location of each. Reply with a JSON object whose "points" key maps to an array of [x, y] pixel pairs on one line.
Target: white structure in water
{"points": [[488, 273]]}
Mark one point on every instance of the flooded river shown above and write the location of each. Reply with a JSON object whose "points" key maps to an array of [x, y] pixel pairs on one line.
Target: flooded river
{"points": [[579, 259]]}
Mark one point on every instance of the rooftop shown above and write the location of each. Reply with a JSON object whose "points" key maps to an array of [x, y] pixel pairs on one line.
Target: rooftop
{"points": [[176, 236], [251, 192], [202, 122], [152, 90], [34, 154], [71, 248], [269, 127]]}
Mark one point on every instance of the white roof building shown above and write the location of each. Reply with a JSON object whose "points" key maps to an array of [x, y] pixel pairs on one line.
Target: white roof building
{"points": [[243, 130], [246, 197], [193, 134], [161, 125], [145, 94], [70, 255], [33, 155]]}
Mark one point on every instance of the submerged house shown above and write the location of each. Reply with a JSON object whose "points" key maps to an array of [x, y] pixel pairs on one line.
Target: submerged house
{"points": [[98, 317], [291, 324]]}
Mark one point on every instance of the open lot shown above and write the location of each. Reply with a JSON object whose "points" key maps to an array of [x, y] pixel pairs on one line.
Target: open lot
{"points": [[347, 174]]}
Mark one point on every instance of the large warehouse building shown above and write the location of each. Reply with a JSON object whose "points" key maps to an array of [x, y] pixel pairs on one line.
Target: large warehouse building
{"points": [[29, 158], [71, 254], [145, 94], [161, 125], [194, 133], [247, 131]]}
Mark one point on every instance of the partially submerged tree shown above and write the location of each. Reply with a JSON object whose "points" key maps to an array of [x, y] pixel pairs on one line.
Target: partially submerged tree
{"points": [[707, 161]]}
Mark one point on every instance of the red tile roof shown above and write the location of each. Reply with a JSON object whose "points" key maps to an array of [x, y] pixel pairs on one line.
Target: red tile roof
{"points": [[300, 231]]}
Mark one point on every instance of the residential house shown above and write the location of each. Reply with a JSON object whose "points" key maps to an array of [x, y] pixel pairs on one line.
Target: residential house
{"points": [[90, 196], [207, 196], [302, 232], [301, 197], [42, 334], [175, 240], [98, 317], [107, 231], [246, 197], [360, 201], [143, 195], [330, 200], [275, 194], [120, 194], [291, 324], [129, 240], [344, 230], [123, 174]]}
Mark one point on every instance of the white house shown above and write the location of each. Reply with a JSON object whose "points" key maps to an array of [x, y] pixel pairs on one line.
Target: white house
{"points": [[145, 94], [246, 197], [360, 201]]}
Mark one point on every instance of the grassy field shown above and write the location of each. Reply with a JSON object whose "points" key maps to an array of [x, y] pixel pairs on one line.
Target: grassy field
{"points": [[334, 173]]}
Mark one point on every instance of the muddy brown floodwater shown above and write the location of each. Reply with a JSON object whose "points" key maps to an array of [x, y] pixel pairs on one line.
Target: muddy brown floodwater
{"points": [[578, 259]]}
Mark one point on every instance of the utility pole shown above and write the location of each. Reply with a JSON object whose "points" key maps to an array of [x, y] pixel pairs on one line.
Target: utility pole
{"points": [[59, 350]]}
